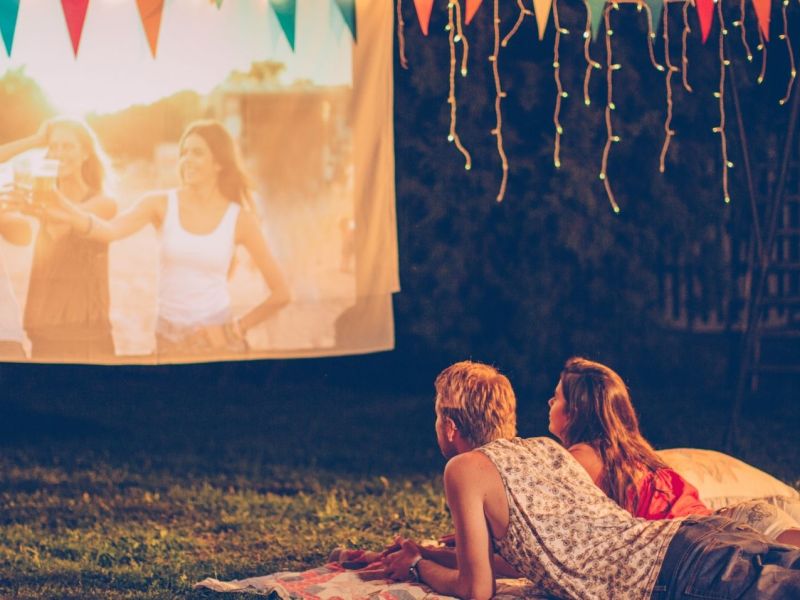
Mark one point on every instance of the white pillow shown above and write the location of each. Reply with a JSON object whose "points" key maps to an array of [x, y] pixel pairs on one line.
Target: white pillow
{"points": [[723, 480]]}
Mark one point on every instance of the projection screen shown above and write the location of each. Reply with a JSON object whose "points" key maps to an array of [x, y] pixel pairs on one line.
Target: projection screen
{"points": [[193, 188]]}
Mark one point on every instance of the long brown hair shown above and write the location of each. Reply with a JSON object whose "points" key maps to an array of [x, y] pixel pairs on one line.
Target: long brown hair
{"points": [[600, 414], [233, 180], [94, 169]]}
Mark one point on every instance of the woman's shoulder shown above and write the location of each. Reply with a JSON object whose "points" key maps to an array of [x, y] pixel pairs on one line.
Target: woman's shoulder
{"points": [[590, 459]]}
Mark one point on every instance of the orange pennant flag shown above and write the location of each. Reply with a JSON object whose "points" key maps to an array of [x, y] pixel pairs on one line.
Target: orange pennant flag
{"points": [[763, 10], [705, 10], [541, 8], [424, 8], [150, 13], [472, 6], [75, 15]]}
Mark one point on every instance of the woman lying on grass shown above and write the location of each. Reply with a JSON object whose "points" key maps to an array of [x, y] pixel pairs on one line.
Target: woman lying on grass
{"points": [[591, 413]]}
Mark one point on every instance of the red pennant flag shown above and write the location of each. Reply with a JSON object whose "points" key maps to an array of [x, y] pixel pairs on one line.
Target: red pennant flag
{"points": [[424, 8], [472, 6], [763, 10], [75, 15], [150, 13], [705, 10]]}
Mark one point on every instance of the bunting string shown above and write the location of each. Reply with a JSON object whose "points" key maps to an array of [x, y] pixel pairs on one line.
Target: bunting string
{"points": [[720, 129], [610, 137], [668, 131], [454, 36], [684, 57], [401, 37], [792, 70], [560, 93], [499, 95]]}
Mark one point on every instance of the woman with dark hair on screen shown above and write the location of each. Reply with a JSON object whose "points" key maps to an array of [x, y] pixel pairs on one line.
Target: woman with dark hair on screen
{"points": [[66, 311], [591, 413], [199, 226]]}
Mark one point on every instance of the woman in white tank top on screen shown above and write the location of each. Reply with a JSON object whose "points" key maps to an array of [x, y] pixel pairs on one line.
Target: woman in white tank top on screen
{"points": [[199, 224]]}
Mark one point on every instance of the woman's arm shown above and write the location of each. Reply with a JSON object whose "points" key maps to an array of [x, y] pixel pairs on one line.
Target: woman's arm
{"points": [[248, 234], [10, 149], [90, 220], [15, 229]]}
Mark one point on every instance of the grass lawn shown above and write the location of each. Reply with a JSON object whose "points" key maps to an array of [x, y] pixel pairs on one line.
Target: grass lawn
{"points": [[136, 483]]}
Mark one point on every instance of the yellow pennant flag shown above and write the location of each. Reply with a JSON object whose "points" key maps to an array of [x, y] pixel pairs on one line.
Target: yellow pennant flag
{"points": [[541, 8]]}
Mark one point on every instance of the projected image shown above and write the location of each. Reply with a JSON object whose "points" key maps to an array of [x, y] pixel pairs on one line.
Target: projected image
{"points": [[199, 204]]}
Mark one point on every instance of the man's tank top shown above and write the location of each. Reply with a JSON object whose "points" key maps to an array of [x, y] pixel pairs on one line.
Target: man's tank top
{"points": [[193, 275], [565, 534]]}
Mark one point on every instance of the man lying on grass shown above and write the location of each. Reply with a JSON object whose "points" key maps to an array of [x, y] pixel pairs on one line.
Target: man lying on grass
{"points": [[529, 501]]}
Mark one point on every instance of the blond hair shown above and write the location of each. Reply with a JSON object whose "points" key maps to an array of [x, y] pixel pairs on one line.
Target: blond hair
{"points": [[479, 400]]}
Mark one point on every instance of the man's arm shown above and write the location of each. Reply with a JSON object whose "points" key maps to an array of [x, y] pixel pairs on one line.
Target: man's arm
{"points": [[471, 577]]}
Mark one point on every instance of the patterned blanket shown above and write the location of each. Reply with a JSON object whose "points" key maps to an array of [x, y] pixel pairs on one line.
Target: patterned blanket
{"points": [[333, 582]]}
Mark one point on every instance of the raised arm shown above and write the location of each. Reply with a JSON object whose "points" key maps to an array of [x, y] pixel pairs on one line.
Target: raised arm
{"points": [[90, 220], [248, 234], [10, 149]]}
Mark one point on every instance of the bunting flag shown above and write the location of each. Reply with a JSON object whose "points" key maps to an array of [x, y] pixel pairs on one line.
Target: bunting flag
{"points": [[424, 8], [763, 10], [286, 12], [75, 15], [472, 7], [656, 8], [348, 10], [705, 10], [541, 8], [9, 9], [595, 8], [150, 12]]}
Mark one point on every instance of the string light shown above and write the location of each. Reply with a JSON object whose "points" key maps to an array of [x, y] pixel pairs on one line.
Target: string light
{"points": [[560, 93], [668, 131], [454, 29], [523, 12], [793, 70], [684, 58], [499, 95], [720, 129], [609, 107], [401, 38], [590, 63], [762, 47], [651, 35], [741, 23]]}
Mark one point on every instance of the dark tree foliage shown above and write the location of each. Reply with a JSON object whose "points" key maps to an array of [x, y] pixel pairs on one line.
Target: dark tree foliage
{"points": [[23, 105], [552, 271]]}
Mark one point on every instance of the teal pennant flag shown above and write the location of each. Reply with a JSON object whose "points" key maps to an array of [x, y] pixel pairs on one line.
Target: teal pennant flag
{"points": [[286, 11], [9, 9], [595, 8], [656, 9], [348, 10]]}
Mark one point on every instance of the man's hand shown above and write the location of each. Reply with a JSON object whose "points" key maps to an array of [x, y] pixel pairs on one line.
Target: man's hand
{"points": [[396, 564]]}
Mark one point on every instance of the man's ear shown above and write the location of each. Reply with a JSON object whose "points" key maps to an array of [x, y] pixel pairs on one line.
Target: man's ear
{"points": [[450, 429]]}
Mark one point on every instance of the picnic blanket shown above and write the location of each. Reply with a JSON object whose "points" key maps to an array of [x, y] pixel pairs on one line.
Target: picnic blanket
{"points": [[332, 581]]}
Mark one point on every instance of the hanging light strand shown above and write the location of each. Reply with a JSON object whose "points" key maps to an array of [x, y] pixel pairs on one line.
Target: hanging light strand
{"points": [[720, 129], [560, 93], [499, 95], [523, 12], [651, 35], [610, 137], [453, 27], [460, 37], [401, 38], [684, 57], [590, 62], [792, 69], [743, 30], [762, 47], [668, 131]]}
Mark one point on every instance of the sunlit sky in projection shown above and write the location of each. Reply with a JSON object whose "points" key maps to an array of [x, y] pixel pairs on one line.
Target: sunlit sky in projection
{"points": [[198, 46]]}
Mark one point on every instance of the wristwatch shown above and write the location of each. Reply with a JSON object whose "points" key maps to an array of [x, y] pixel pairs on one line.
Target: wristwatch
{"points": [[413, 571]]}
